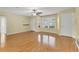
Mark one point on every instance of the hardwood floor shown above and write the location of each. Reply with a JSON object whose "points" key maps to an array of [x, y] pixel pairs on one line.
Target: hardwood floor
{"points": [[28, 42]]}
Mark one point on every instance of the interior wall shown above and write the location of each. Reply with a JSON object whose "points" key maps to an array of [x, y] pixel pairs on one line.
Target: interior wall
{"points": [[77, 23], [67, 14], [15, 23], [67, 24], [0, 26], [38, 21]]}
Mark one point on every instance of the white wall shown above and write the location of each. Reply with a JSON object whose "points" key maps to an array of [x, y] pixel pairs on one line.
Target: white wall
{"points": [[3, 24], [77, 23], [34, 23], [0, 26], [15, 23], [67, 24]]}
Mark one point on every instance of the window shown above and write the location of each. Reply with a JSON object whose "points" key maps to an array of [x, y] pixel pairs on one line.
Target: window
{"points": [[49, 22]]}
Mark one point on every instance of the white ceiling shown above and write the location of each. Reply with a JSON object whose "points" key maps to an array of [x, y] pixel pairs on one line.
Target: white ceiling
{"points": [[26, 11]]}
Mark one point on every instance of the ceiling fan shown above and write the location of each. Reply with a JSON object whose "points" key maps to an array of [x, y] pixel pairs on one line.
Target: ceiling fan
{"points": [[36, 12]]}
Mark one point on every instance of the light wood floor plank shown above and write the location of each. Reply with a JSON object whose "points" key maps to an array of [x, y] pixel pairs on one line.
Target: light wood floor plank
{"points": [[27, 42]]}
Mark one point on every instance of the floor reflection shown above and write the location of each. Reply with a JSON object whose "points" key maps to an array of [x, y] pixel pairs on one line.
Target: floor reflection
{"points": [[47, 40], [39, 42], [2, 40]]}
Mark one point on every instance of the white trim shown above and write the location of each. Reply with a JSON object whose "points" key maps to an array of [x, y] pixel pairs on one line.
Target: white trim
{"points": [[17, 32], [77, 44]]}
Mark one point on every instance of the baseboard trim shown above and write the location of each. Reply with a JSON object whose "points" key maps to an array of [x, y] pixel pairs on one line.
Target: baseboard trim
{"points": [[16, 33], [77, 44]]}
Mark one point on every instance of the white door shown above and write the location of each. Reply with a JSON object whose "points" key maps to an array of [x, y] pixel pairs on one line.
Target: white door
{"points": [[67, 23], [33, 24], [38, 23]]}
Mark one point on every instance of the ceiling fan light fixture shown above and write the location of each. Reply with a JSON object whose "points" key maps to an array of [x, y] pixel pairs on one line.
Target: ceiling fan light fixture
{"points": [[34, 14]]}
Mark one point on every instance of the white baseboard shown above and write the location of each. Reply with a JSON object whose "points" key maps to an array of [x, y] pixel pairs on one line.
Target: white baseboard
{"points": [[77, 44], [15, 32]]}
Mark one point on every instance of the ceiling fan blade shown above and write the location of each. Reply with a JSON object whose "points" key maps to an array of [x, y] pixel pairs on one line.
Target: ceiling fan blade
{"points": [[38, 13]]}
